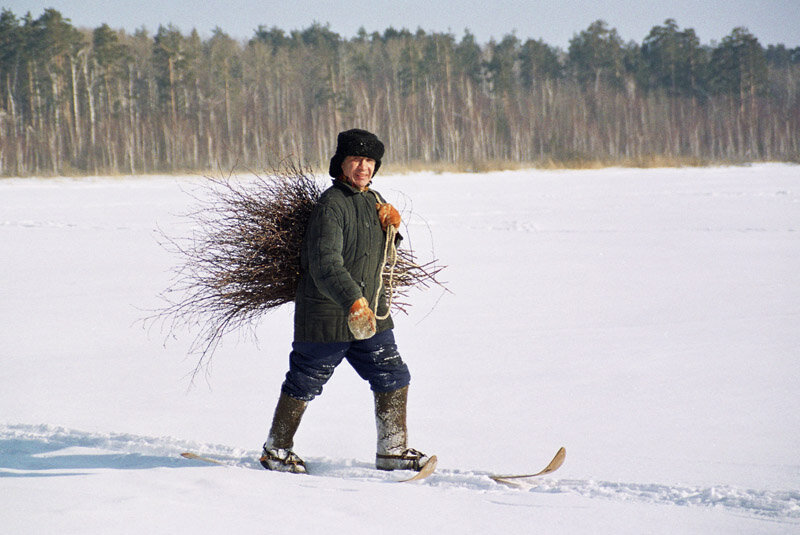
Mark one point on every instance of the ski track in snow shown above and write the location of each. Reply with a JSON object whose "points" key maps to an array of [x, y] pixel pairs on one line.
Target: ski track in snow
{"points": [[43, 450]]}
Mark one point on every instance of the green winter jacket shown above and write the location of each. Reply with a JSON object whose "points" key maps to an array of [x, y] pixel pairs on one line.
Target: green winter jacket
{"points": [[340, 262]]}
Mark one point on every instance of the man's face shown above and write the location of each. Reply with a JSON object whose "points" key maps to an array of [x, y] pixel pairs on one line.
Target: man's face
{"points": [[358, 170]]}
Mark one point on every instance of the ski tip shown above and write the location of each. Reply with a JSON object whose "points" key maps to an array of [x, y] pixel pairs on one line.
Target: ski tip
{"points": [[196, 457], [552, 466], [425, 471], [561, 454], [432, 462]]}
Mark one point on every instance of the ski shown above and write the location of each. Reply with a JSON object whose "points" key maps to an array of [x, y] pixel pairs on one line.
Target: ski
{"points": [[552, 466], [427, 469], [196, 457]]}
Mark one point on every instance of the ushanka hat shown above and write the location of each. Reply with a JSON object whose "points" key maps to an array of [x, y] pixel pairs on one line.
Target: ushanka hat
{"points": [[356, 142]]}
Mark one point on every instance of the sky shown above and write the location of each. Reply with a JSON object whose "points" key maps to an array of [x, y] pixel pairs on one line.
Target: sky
{"points": [[555, 22]]}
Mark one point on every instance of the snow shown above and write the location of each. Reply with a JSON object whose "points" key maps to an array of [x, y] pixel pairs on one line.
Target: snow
{"points": [[647, 320]]}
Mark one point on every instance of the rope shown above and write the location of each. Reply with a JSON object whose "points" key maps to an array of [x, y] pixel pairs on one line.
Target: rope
{"points": [[390, 256]]}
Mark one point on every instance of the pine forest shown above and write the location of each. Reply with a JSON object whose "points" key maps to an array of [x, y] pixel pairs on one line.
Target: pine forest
{"points": [[76, 101]]}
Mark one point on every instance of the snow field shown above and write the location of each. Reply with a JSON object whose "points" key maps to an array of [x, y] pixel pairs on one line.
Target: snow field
{"points": [[644, 319]]}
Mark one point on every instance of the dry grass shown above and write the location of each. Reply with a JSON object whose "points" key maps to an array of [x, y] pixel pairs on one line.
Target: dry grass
{"points": [[564, 162]]}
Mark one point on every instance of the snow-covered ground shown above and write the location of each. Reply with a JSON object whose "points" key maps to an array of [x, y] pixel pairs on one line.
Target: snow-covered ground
{"points": [[647, 320]]}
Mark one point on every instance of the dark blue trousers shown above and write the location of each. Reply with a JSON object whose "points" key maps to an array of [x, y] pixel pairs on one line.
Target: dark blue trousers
{"points": [[375, 360]]}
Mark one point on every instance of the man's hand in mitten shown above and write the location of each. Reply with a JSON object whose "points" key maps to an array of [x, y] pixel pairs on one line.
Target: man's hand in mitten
{"points": [[388, 215], [361, 320]]}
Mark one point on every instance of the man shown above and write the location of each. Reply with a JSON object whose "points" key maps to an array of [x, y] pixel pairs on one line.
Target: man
{"points": [[336, 316]]}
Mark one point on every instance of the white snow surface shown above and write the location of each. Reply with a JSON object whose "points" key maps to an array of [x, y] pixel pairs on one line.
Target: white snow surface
{"points": [[647, 320]]}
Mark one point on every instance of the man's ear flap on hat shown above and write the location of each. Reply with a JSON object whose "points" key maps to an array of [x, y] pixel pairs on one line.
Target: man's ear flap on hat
{"points": [[335, 168]]}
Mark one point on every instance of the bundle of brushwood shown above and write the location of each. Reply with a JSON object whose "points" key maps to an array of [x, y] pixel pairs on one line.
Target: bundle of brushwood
{"points": [[243, 258]]}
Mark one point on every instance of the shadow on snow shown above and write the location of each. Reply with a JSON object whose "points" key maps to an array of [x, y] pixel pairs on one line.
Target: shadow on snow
{"points": [[43, 451]]}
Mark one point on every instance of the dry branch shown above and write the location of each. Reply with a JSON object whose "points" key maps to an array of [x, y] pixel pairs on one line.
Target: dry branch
{"points": [[244, 256]]}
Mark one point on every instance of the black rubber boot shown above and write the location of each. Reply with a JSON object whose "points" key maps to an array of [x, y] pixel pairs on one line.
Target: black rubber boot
{"points": [[277, 453], [390, 417]]}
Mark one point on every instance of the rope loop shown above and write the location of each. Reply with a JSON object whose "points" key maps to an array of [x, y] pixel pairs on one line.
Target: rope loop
{"points": [[390, 257]]}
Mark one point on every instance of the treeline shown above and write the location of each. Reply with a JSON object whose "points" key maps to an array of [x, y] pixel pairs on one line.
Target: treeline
{"points": [[82, 101]]}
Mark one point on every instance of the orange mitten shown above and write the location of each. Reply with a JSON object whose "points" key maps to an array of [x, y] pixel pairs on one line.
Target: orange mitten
{"points": [[361, 320], [388, 215]]}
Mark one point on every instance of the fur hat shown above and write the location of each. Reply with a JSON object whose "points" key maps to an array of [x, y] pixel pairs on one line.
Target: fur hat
{"points": [[356, 142]]}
